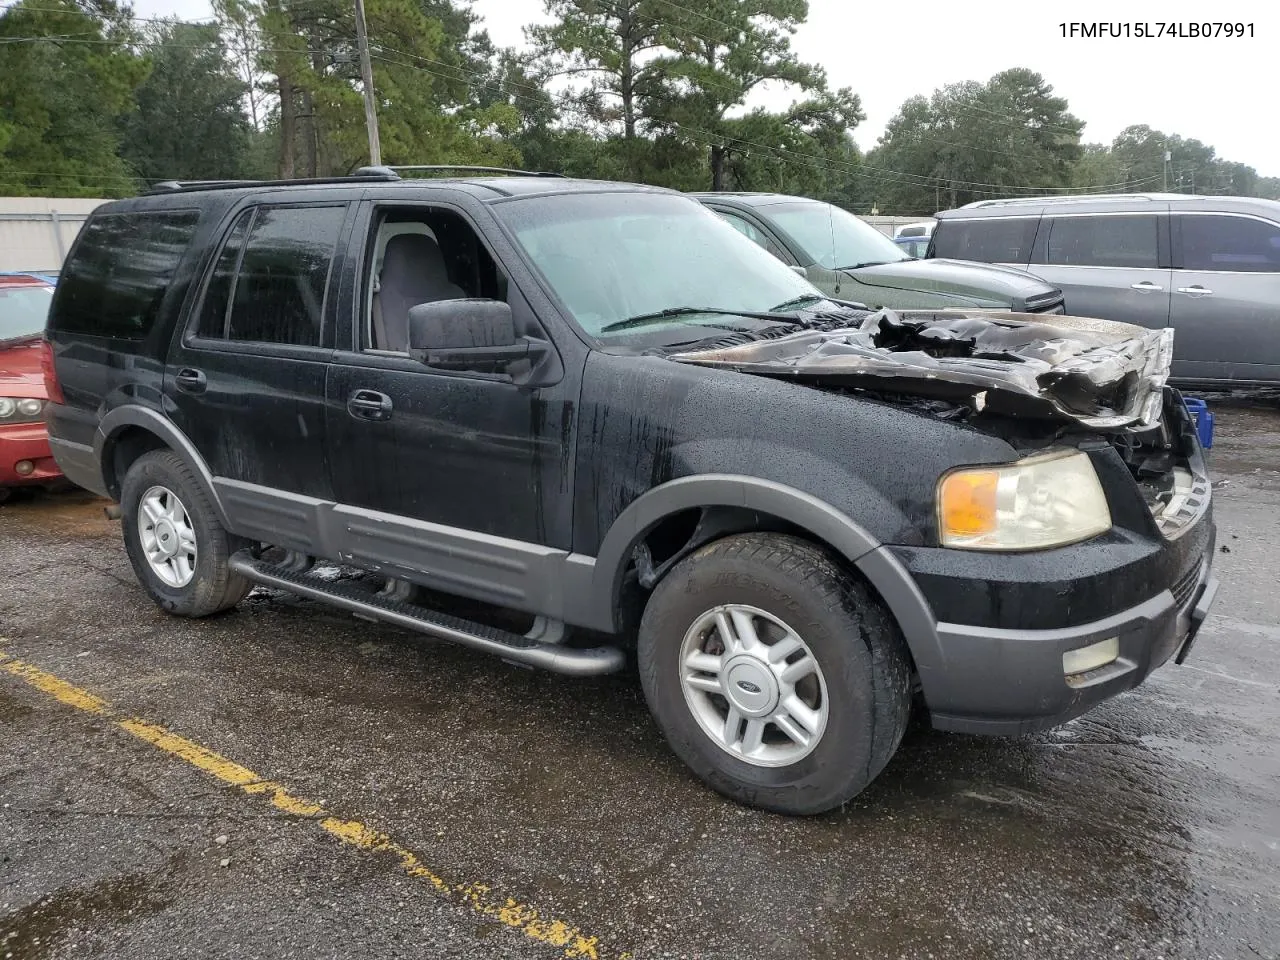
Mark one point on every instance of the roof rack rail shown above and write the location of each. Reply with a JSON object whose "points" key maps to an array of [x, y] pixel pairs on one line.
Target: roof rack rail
{"points": [[1077, 198], [378, 174], [361, 176], [390, 172]]}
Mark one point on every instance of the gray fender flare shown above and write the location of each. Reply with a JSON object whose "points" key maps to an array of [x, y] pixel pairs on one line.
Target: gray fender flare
{"points": [[874, 561], [133, 415]]}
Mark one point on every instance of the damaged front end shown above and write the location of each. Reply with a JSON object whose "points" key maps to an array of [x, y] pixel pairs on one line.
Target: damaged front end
{"points": [[1034, 381], [1094, 373]]}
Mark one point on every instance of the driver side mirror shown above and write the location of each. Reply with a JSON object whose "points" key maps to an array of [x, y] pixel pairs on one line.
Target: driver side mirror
{"points": [[477, 335], [450, 325]]}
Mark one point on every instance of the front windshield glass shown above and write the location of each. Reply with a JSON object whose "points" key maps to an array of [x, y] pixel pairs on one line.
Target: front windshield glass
{"points": [[613, 256], [832, 237], [23, 310]]}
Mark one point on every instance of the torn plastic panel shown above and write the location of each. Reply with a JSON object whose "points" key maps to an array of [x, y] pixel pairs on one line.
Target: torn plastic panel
{"points": [[1098, 373]]}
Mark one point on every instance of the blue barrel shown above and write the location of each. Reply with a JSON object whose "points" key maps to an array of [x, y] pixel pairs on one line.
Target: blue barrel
{"points": [[1203, 420]]}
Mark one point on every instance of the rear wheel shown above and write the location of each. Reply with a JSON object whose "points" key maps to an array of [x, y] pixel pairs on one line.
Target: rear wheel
{"points": [[774, 674], [178, 549]]}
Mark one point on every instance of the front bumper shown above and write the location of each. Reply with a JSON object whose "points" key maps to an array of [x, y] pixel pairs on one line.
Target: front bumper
{"points": [[26, 442], [1008, 682]]}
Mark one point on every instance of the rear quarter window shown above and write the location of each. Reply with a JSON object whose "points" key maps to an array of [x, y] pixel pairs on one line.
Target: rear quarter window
{"points": [[998, 240], [119, 271]]}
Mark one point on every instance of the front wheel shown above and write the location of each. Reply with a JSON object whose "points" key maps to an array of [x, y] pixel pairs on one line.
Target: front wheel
{"points": [[178, 549], [775, 675]]}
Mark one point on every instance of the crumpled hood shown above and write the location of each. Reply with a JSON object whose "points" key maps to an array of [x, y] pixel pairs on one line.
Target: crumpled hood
{"points": [[1097, 373]]}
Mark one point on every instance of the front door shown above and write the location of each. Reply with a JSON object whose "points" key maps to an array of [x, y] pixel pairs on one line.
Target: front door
{"points": [[1226, 297], [245, 380], [448, 478]]}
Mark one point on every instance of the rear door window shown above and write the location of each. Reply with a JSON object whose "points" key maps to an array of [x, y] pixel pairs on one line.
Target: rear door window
{"points": [[1104, 241], [1227, 243], [271, 277], [997, 240], [122, 265]]}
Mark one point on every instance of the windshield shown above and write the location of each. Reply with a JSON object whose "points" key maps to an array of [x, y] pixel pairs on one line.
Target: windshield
{"points": [[832, 237], [23, 311], [614, 256]]}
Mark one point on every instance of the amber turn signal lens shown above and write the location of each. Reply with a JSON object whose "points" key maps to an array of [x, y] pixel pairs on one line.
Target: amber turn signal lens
{"points": [[967, 504]]}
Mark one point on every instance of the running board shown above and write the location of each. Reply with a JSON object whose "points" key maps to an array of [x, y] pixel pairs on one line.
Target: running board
{"points": [[515, 647]]}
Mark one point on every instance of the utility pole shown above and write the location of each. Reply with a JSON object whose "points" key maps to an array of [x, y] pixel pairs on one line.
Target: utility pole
{"points": [[1167, 157], [366, 74]]}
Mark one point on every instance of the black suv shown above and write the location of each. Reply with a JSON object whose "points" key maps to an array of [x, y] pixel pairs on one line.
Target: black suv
{"points": [[547, 418]]}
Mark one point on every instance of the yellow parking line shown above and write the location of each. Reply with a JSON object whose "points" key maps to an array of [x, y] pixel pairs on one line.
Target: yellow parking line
{"points": [[479, 897]]}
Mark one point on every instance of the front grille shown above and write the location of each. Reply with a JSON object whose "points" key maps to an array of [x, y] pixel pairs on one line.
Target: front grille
{"points": [[1185, 588]]}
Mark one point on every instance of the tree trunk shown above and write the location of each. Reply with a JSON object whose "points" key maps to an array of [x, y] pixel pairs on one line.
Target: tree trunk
{"points": [[288, 125], [627, 87], [310, 153], [309, 108], [717, 168]]}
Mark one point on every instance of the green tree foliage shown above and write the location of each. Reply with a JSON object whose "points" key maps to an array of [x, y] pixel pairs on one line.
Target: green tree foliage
{"points": [[423, 81], [720, 52], [69, 76], [970, 141], [664, 84], [94, 102], [1193, 167], [611, 44], [189, 120]]}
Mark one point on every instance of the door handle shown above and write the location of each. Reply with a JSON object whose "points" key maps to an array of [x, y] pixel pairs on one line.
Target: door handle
{"points": [[1146, 286], [190, 380], [1195, 290], [369, 405]]}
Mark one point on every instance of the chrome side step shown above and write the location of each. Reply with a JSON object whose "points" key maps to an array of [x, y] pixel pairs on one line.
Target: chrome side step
{"points": [[515, 647]]}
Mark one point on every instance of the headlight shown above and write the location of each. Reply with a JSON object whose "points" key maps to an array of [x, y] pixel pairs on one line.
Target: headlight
{"points": [[1048, 500], [25, 408]]}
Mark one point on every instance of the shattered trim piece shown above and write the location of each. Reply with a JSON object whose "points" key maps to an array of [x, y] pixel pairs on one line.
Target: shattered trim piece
{"points": [[1097, 373]]}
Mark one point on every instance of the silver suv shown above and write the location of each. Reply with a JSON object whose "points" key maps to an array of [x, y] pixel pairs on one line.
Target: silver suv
{"points": [[1207, 266]]}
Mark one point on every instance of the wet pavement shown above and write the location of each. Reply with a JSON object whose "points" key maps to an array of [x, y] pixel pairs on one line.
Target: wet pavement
{"points": [[1149, 828]]}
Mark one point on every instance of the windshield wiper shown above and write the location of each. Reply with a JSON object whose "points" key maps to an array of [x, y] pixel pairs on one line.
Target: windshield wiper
{"points": [[799, 302], [869, 263], [659, 315]]}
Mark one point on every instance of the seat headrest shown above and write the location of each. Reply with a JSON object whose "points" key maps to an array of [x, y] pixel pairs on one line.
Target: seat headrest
{"points": [[414, 253]]}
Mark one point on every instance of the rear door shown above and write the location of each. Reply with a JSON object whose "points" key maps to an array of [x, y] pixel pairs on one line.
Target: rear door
{"points": [[245, 379], [1226, 297], [1112, 266]]}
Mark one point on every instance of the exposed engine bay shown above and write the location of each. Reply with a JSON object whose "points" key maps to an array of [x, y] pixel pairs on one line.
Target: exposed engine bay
{"points": [[1095, 373], [1032, 380]]}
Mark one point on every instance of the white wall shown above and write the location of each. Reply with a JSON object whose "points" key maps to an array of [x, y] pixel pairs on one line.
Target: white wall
{"points": [[888, 225], [37, 232]]}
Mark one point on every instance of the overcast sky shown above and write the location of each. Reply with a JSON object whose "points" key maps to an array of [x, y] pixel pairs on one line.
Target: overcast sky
{"points": [[1221, 91]]}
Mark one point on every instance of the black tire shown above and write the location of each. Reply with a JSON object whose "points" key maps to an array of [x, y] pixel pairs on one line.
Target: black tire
{"points": [[214, 587], [856, 642]]}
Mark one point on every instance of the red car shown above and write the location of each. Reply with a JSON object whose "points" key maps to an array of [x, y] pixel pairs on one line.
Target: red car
{"points": [[25, 459]]}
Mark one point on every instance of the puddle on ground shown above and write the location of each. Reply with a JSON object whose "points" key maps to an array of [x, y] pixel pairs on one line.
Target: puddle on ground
{"points": [[75, 514], [33, 932]]}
